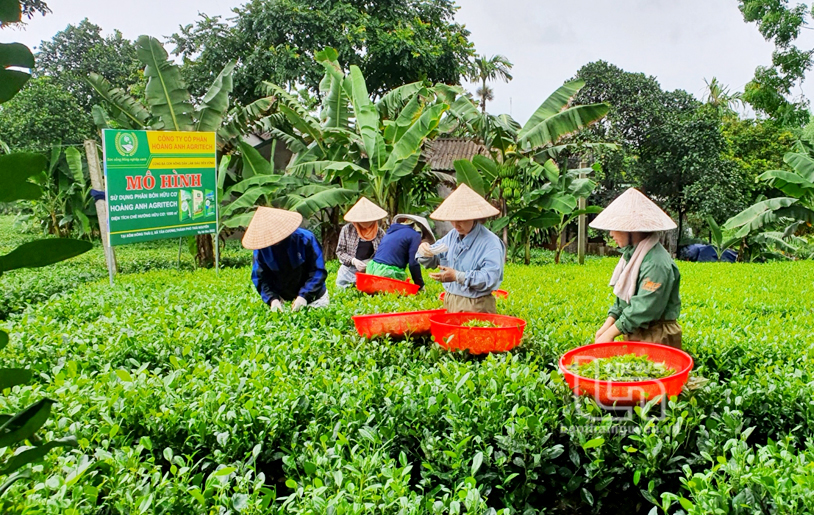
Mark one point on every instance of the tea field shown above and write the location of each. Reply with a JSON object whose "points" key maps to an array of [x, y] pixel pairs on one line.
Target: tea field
{"points": [[188, 396]]}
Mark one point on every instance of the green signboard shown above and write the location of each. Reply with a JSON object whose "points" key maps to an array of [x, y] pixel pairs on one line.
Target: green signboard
{"points": [[159, 184]]}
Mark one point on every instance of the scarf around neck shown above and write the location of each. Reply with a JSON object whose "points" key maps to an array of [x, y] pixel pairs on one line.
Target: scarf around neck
{"points": [[626, 274], [368, 234]]}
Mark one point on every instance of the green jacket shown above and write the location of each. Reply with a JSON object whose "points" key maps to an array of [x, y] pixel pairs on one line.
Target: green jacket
{"points": [[656, 296]]}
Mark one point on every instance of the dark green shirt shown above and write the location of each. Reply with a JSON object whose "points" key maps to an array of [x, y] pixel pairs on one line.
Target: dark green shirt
{"points": [[656, 296]]}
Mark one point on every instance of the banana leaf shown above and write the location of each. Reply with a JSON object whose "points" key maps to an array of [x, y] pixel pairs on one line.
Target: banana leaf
{"points": [[166, 93], [320, 167], [248, 199], [257, 180], [15, 170], [405, 167], [293, 143], [393, 102], [74, 159], [581, 187], [243, 120], [367, 118], [308, 206], [554, 104], [487, 166], [790, 183], [306, 125], [414, 137], [561, 124], [38, 253], [10, 11], [241, 220], [123, 107], [802, 164], [407, 117], [100, 118], [35, 454], [336, 110], [216, 101], [466, 173], [14, 55], [253, 162], [750, 215], [284, 98]]}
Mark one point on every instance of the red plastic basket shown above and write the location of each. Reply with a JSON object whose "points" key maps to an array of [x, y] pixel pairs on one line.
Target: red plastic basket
{"points": [[609, 393], [396, 325], [372, 284], [500, 294], [450, 334]]}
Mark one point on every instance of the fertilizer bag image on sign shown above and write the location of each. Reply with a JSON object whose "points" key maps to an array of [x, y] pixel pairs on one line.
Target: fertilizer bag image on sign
{"points": [[159, 184]]}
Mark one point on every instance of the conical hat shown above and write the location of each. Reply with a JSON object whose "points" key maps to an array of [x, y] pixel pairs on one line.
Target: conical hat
{"points": [[632, 211], [425, 225], [270, 226], [365, 211], [464, 204]]}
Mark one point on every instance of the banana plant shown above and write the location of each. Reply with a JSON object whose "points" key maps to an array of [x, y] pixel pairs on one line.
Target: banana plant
{"points": [[372, 147], [718, 242], [776, 216], [513, 168], [169, 106], [261, 186], [16, 171], [64, 207], [554, 205]]}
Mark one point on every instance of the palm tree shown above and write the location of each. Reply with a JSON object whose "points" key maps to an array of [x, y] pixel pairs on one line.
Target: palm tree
{"points": [[484, 69], [719, 97]]}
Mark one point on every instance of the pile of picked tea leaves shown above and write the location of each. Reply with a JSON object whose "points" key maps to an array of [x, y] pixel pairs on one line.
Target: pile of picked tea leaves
{"points": [[622, 368], [479, 323]]}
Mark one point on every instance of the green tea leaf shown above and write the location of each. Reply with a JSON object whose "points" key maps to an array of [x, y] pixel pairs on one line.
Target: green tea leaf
{"points": [[596, 442]]}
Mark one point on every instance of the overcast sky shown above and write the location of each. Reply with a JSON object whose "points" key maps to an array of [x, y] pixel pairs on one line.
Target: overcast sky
{"points": [[681, 42]]}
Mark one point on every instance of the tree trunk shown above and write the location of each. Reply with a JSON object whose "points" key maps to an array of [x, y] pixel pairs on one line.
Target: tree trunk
{"points": [[505, 234], [205, 257], [483, 98], [527, 258], [330, 235]]}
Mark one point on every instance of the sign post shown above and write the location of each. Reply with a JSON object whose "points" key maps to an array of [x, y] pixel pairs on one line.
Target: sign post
{"points": [[97, 182], [582, 227], [159, 184]]}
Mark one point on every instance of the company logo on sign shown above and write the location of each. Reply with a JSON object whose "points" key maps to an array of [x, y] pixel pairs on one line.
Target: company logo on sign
{"points": [[126, 143]]}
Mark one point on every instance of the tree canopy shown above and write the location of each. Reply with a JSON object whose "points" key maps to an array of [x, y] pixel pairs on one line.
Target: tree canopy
{"points": [[770, 91], [670, 145], [43, 113], [72, 54], [393, 42]]}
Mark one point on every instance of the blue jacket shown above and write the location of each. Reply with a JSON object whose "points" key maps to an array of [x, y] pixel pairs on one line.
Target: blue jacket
{"points": [[294, 267], [479, 255], [398, 249]]}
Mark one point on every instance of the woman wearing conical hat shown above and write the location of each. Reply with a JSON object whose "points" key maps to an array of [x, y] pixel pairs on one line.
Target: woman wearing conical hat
{"points": [[397, 251], [646, 280], [288, 263], [470, 257], [358, 240]]}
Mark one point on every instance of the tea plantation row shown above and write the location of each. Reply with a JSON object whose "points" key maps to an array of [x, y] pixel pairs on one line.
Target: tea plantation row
{"points": [[188, 396]]}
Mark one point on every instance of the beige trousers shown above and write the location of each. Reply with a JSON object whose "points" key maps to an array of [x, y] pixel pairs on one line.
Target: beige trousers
{"points": [[459, 304], [665, 332]]}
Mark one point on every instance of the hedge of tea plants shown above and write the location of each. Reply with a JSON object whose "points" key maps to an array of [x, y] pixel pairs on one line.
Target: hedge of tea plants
{"points": [[188, 396], [26, 287]]}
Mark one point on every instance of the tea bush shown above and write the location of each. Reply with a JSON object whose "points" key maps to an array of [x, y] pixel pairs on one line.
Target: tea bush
{"points": [[188, 396], [27, 287]]}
